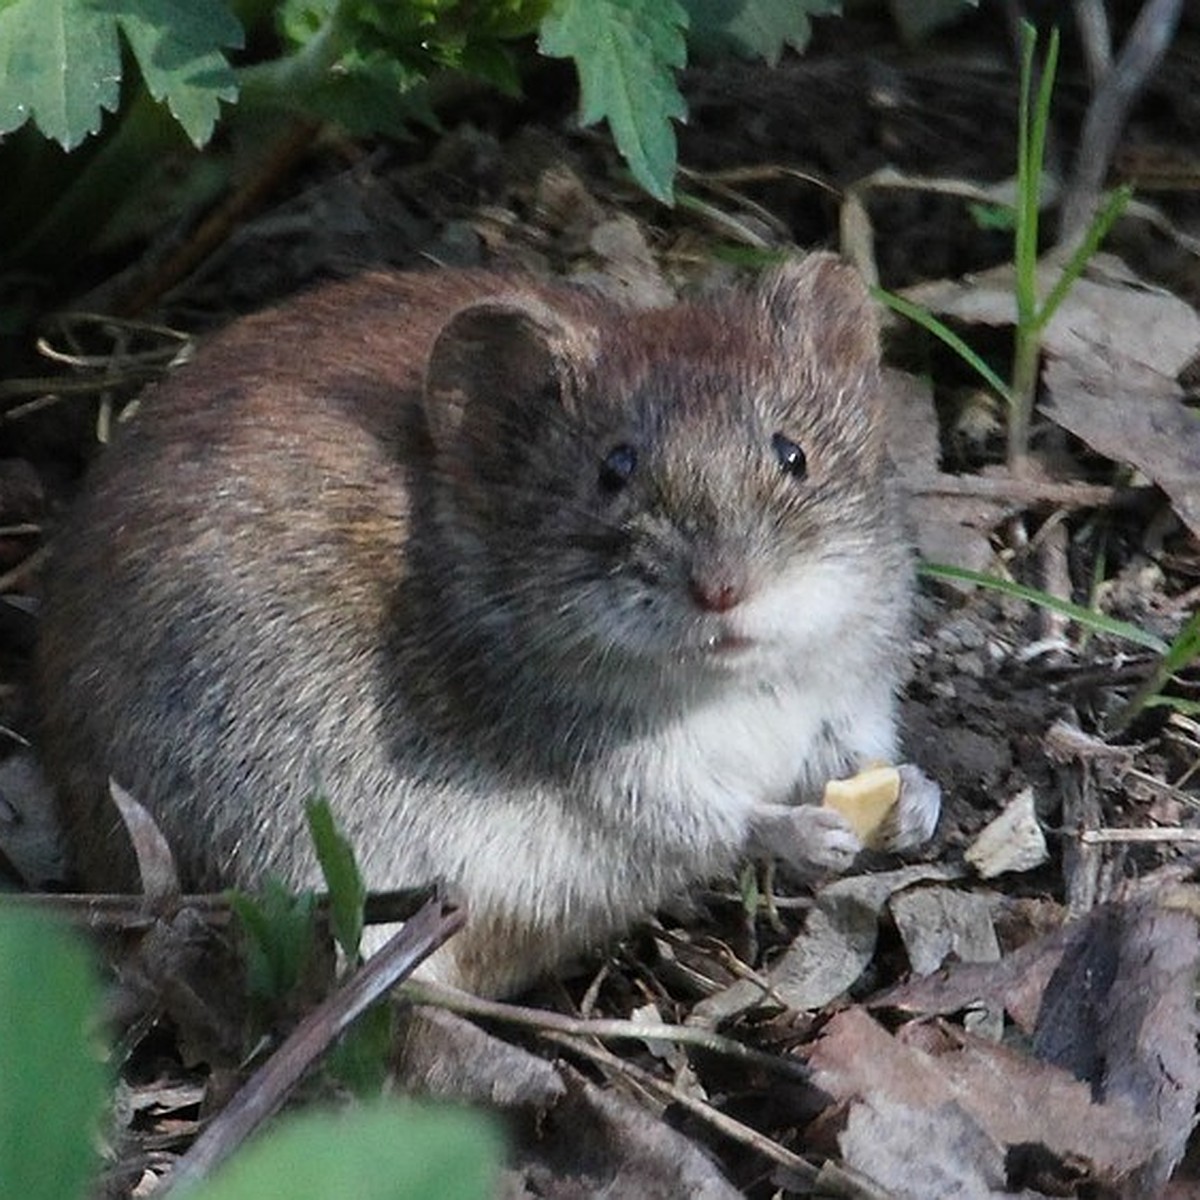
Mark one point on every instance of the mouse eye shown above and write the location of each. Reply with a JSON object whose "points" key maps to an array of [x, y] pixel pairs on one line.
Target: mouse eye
{"points": [[617, 468], [790, 455]]}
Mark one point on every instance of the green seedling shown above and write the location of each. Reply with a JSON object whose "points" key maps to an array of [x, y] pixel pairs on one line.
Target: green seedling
{"points": [[280, 928], [1019, 393], [1182, 652], [1032, 314], [359, 1060]]}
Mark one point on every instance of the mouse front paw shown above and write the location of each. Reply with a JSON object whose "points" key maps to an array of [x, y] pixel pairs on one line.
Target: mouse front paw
{"points": [[808, 838]]}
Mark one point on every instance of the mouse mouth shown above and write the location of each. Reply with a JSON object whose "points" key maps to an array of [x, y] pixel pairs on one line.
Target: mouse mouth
{"points": [[728, 643]]}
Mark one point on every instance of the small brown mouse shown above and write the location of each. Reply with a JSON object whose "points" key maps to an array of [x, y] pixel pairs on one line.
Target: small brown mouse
{"points": [[565, 603]]}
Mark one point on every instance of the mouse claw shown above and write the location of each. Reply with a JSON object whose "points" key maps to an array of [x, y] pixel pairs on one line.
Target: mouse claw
{"points": [[808, 838]]}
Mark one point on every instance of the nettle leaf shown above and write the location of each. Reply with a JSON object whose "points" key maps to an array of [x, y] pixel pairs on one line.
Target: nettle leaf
{"points": [[60, 61], [178, 44], [755, 28], [60, 65], [626, 53]]}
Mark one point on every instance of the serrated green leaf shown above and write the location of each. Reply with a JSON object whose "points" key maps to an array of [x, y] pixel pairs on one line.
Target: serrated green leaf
{"points": [[347, 892], [178, 46], [755, 28], [626, 53], [386, 1152], [60, 65], [52, 1085], [60, 61]]}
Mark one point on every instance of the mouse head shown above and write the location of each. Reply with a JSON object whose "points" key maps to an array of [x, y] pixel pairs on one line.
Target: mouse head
{"points": [[691, 488]]}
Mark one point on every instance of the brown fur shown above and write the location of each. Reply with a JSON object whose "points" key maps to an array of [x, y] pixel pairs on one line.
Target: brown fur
{"points": [[360, 544]]}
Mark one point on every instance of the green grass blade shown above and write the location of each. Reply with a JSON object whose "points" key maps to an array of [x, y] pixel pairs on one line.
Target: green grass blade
{"points": [[1028, 186], [1097, 231], [1088, 618], [926, 319]]}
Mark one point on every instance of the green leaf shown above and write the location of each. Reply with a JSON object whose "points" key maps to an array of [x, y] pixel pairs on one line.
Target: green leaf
{"points": [[52, 1085], [754, 28], [626, 53], [372, 94], [1183, 650], [360, 1059], [60, 65], [1105, 218], [279, 929], [60, 61], [347, 892], [385, 1152], [177, 44]]}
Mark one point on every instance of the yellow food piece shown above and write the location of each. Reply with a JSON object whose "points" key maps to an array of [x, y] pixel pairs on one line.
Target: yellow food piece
{"points": [[866, 800]]}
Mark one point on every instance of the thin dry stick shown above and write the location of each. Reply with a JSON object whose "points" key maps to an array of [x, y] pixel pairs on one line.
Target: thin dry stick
{"points": [[1091, 22], [420, 991], [1144, 48], [27, 566], [1018, 491], [728, 1126], [129, 913], [1096, 837]]}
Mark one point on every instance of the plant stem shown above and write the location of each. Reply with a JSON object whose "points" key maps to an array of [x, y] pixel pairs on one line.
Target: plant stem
{"points": [[1031, 152], [1027, 354]]}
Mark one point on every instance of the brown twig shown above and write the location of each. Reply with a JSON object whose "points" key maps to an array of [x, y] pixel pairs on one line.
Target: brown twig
{"points": [[1021, 490], [120, 913], [713, 1117], [217, 227], [1144, 48], [544, 1023]]}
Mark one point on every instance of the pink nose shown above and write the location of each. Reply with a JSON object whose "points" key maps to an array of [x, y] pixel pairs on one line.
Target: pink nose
{"points": [[715, 595]]}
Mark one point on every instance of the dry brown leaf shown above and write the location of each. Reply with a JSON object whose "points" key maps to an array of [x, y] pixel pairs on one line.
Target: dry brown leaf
{"points": [[948, 529], [1120, 1013], [1007, 1099], [836, 946], [1131, 414], [1113, 350], [1114, 315], [1016, 983], [573, 1138]]}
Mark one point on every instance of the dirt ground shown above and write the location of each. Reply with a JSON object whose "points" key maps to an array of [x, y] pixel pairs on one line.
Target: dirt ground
{"points": [[1013, 1019]]}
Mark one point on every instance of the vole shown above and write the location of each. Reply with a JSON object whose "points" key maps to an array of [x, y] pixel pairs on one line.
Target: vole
{"points": [[565, 603]]}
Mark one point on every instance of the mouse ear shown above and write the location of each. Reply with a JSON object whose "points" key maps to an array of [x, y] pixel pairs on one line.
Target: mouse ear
{"points": [[820, 305], [500, 357]]}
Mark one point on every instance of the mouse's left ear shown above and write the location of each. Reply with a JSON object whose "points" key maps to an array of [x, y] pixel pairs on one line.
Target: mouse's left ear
{"points": [[820, 305], [500, 364]]}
